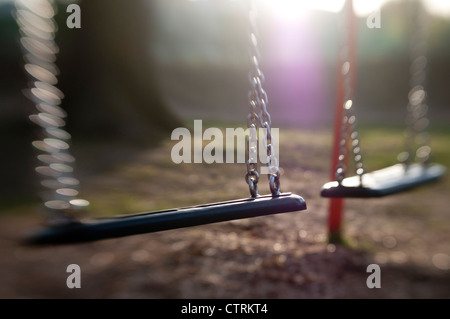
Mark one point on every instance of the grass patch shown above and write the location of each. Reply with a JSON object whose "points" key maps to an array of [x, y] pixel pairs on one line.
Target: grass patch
{"points": [[382, 144], [154, 182]]}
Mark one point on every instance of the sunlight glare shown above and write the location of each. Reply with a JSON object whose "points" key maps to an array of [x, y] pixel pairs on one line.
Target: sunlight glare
{"points": [[295, 9], [365, 8], [438, 7]]}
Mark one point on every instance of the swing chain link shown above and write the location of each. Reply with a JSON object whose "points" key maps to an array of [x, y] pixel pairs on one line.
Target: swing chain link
{"points": [[417, 136], [349, 132], [60, 199], [258, 101]]}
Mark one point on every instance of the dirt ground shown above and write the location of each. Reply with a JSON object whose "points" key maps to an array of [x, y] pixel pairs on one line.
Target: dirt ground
{"points": [[284, 256]]}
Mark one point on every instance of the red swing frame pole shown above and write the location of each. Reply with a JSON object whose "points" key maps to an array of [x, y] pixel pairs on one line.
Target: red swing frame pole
{"points": [[336, 205]]}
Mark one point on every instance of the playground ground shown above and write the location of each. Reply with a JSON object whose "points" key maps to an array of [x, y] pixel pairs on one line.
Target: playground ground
{"points": [[282, 257]]}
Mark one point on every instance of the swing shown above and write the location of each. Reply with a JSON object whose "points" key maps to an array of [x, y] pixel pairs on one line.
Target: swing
{"points": [[404, 175], [38, 28]]}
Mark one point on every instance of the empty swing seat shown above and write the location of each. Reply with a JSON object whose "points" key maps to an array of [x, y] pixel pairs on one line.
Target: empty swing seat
{"points": [[103, 228], [386, 181]]}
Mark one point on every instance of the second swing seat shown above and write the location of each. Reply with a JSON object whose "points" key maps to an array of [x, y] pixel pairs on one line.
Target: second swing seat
{"points": [[386, 181]]}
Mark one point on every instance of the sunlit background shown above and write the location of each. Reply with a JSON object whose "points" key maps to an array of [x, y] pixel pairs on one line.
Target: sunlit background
{"points": [[194, 55], [300, 44]]}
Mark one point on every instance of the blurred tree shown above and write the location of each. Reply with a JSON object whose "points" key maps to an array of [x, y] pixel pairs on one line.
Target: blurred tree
{"points": [[108, 77], [108, 72]]}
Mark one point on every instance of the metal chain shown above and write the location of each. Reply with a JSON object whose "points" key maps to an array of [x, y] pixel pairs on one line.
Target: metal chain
{"points": [[258, 101], [38, 28], [348, 126], [417, 136]]}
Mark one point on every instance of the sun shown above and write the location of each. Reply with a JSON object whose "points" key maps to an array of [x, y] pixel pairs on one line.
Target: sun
{"points": [[291, 10], [364, 7]]}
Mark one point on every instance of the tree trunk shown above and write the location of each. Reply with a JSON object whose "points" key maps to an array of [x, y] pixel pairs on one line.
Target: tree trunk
{"points": [[108, 78], [108, 73]]}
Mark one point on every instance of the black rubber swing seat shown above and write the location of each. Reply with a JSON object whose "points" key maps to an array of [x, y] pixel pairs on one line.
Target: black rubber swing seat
{"points": [[386, 181], [125, 225]]}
